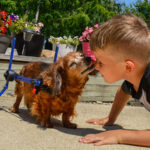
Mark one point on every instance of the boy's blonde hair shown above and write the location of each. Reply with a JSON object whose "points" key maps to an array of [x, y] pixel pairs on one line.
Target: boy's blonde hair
{"points": [[127, 33]]}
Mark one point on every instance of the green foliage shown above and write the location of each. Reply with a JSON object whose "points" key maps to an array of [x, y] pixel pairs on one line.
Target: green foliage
{"points": [[75, 24], [17, 26], [141, 9], [74, 41], [8, 5], [64, 17], [98, 12]]}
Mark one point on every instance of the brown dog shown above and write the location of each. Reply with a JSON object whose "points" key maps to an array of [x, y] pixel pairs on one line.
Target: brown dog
{"points": [[62, 84]]}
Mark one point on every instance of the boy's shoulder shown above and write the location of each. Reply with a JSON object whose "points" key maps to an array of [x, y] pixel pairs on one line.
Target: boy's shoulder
{"points": [[143, 93], [144, 84], [145, 81]]}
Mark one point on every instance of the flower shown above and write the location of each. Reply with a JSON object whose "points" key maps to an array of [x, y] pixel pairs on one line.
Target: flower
{"points": [[64, 40], [14, 17], [40, 24], [20, 23], [17, 24], [5, 23], [37, 27], [86, 34]]}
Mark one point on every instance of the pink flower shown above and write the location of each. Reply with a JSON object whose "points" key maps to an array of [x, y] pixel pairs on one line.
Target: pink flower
{"points": [[87, 28], [81, 38], [37, 29], [90, 30], [88, 37], [86, 34], [96, 25], [41, 24]]}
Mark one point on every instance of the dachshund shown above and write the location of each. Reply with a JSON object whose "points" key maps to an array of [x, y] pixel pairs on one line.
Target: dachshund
{"points": [[62, 84]]}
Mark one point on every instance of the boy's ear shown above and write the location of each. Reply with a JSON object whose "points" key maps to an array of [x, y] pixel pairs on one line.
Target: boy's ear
{"points": [[130, 66]]}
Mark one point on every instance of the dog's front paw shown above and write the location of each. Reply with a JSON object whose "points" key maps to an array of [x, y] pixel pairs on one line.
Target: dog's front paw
{"points": [[70, 125], [14, 110]]}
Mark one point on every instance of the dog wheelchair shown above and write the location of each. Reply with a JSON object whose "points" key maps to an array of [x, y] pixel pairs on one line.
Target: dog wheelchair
{"points": [[11, 75]]}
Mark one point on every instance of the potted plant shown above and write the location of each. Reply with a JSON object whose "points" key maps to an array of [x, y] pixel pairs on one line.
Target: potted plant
{"points": [[5, 38], [33, 39], [17, 25], [85, 41], [29, 41], [66, 44], [28, 31], [28, 28]]}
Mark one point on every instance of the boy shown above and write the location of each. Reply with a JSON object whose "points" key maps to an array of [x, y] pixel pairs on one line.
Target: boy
{"points": [[122, 50]]}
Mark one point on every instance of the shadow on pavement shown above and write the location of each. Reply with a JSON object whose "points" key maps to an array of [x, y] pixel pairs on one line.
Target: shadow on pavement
{"points": [[24, 115], [78, 131], [85, 131], [113, 127]]}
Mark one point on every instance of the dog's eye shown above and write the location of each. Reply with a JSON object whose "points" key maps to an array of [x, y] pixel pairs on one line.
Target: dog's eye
{"points": [[72, 64]]}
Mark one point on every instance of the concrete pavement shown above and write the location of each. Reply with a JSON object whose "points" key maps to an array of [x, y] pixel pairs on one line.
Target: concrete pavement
{"points": [[22, 132]]}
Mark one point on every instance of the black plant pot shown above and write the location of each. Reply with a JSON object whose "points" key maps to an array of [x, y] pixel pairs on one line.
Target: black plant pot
{"points": [[32, 48], [35, 46], [19, 43]]}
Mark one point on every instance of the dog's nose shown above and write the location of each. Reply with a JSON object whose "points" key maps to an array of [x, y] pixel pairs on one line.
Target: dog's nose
{"points": [[88, 60]]}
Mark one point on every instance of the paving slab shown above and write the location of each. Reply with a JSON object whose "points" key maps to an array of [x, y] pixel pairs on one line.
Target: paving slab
{"points": [[22, 132]]}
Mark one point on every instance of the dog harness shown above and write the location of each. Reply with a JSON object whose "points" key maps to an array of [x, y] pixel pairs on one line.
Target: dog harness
{"points": [[143, 93], [43, 87]]}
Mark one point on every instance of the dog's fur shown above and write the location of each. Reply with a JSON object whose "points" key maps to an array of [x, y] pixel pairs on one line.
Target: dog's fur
{"points": [[66, 80]]}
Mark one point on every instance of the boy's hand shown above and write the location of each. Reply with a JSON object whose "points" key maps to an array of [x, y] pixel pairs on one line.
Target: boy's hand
{"points": [[108, 137], [98, 121]]}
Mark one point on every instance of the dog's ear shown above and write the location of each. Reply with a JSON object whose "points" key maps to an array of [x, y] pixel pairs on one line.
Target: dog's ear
{"points": [[58, 73]]}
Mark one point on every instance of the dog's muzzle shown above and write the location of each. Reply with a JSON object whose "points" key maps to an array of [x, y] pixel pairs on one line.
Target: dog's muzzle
{"points": [[88, 61]]}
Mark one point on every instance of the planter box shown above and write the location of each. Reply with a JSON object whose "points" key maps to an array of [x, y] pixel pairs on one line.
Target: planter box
{"points": [[64, 49], [54, 47]]}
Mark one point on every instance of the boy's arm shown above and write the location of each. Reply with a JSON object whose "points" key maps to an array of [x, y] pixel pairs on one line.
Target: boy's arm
{"points": [[131, 137], [120, 101]]}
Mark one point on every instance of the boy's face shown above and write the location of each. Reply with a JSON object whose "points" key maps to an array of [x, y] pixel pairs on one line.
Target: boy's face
{"points": [[110, 66]]}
